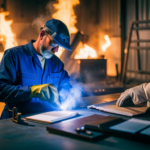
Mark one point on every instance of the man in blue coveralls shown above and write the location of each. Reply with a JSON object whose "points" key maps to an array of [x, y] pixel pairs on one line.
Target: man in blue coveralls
{"points": [[31, 76]]}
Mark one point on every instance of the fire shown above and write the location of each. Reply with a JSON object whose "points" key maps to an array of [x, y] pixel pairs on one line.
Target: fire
{"points": [[107, 44], [7, 37], [60, 51], [86, 52], [65, 13]]}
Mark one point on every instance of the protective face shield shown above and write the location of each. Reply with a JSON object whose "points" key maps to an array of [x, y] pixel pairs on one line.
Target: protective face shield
{"points": [[59, 32]]}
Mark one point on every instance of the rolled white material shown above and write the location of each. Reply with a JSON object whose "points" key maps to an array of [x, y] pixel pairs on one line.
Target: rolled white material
{"points": [[148, 103]]}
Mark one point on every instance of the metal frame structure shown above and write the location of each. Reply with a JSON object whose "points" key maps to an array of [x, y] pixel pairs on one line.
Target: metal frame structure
{"points": [[135, 26]]}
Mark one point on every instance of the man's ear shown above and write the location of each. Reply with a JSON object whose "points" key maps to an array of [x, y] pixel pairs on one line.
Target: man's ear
{"points": [[42, 33]]}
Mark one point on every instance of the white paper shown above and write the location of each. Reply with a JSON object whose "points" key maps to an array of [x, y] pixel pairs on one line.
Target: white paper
{"points": [[42, 117], [51, 117], [131, 125]]}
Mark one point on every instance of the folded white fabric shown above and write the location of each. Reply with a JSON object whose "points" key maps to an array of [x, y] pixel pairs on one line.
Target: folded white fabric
{"points": [[136, 95]]}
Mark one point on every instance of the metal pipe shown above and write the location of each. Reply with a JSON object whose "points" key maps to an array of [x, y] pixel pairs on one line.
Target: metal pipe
{"points": [[137, 18], [123, 31]]}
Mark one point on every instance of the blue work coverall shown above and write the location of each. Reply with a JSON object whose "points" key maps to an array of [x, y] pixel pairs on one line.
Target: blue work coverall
{"points": [[20, 68]]}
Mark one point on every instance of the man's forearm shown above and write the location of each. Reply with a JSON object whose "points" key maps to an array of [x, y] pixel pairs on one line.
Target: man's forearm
{"points": [[10, 93]]}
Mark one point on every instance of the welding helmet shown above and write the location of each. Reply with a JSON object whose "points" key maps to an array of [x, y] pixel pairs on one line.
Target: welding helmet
{"points": [[59, 32]]}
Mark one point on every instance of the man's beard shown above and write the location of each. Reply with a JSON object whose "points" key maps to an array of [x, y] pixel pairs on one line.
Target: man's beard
{"points": [[45, 53]]}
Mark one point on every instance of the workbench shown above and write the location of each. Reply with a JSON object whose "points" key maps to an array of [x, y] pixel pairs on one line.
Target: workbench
{"points": [[35, 136]]}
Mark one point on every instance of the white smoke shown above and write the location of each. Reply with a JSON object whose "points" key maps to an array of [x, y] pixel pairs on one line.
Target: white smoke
{"points": [[41, 20], [71, 99]]}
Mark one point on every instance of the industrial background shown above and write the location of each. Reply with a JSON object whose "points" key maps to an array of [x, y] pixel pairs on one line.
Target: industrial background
{"points": [[110, 42], [99, 35]]}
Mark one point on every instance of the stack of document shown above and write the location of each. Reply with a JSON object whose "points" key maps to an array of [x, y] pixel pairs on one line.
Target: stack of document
{"points": [[53, 116]]}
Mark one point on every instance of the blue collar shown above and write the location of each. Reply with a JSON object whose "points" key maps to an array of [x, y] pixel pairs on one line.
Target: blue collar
{"points": [[30, 50]]}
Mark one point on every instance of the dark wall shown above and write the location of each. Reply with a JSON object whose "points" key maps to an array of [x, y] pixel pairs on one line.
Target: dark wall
{"points": [[25, 10]]}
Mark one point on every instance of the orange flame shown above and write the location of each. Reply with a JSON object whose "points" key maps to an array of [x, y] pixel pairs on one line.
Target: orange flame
{"points": [[6, 34], [60, 51], [86, 52], [7, 37], [107, 44], [65, 13]]}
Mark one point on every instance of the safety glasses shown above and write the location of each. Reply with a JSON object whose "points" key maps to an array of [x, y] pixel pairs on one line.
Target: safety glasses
{"points": [[52, 42]]}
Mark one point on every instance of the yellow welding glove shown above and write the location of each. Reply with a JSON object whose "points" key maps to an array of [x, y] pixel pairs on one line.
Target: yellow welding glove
{"points": [[45, 92]]}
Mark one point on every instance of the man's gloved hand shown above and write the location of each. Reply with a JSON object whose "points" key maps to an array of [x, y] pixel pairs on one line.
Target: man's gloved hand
{"points": [[45, 92], [136, 95]]}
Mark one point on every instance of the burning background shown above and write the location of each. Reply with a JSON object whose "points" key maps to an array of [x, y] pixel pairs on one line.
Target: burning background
{"points": [[99, 31], [88, 17], [94, 26]]}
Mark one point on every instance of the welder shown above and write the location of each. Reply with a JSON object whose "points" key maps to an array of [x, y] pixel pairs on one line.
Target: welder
{"points": [[31, 75]]}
